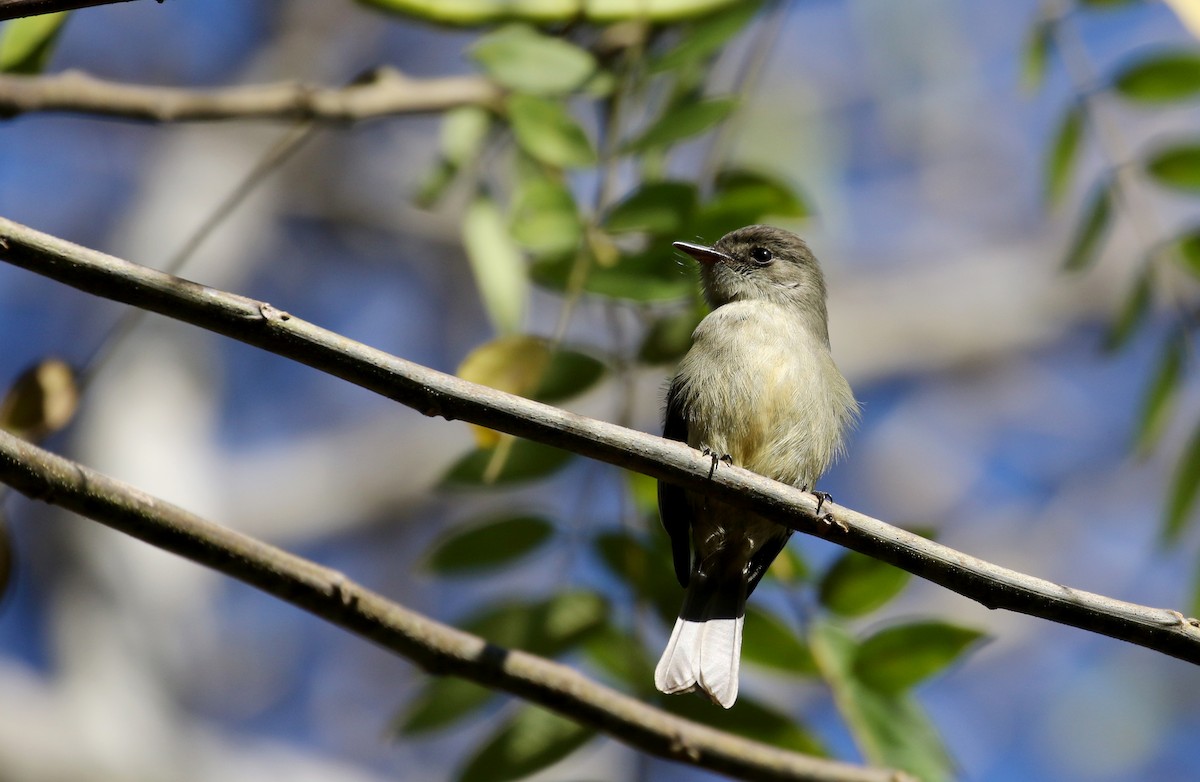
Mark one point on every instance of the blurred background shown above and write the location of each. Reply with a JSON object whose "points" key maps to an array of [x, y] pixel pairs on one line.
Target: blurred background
{"points": [[918, 135]]}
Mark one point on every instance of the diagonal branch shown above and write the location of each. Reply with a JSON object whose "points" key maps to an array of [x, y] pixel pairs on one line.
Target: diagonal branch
{"points": [[14, 9], [435, 393], [436, 647], [380, 93]]}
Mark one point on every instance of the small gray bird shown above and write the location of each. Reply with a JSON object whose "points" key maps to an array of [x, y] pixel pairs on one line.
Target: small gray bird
{"points": [[757, 387]]}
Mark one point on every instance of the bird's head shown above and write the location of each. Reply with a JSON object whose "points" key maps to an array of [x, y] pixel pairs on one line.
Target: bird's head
{"points": [[760, 262]]}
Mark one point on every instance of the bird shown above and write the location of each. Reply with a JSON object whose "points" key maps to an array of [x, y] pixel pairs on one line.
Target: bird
{"points": [[758, 388]]}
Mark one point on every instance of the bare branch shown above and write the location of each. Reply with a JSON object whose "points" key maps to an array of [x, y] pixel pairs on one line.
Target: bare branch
{"points": [[14, 9], [434, 393], [436, 647], [381, 93]]}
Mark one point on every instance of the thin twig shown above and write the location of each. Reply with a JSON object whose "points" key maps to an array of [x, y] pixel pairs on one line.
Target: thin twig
{"points": [[15, 9], [383, 92], [436, 647], [434, 393], [279, 152], [749, 74]]}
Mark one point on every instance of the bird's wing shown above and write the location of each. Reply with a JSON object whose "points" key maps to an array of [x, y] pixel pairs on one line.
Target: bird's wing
{"points": [[672, 502], [762, 559]]}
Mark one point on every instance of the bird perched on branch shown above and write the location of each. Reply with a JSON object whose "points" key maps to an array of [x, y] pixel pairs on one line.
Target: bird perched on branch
{"points": [[759, 389]]}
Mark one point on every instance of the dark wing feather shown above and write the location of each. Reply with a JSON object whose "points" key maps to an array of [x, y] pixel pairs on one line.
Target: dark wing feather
{"points": [[762, 559], [672, 501]]}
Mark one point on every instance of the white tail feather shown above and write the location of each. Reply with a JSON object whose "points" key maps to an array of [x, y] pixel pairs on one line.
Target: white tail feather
{"points": [[705, 655]]}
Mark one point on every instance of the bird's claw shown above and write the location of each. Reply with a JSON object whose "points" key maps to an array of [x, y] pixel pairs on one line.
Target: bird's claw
{"points": [[827, 518], [724, 457]]}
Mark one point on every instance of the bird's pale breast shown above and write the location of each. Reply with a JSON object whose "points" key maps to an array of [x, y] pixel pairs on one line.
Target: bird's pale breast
{"points": [[755, 390]]}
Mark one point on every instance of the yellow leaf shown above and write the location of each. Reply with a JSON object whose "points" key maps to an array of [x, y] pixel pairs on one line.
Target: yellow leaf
{"points": [[41, 401], [515, 364]]}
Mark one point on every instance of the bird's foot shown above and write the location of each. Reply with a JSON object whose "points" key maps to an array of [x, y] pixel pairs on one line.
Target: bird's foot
{"points": [[710, 453], [827, 517]]}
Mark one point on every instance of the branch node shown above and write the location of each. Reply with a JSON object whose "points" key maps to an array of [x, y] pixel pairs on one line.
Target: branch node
{"points": [[830, 521], [341, 589], [1187, 623], [271, 314], [681, 746]]}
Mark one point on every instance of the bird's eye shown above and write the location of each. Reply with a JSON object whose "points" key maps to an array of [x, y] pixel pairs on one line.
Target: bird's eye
{"points": [[761, 255]]}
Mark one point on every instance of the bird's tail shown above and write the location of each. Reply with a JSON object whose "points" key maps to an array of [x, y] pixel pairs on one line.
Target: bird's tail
{"points": [[706, 645]]}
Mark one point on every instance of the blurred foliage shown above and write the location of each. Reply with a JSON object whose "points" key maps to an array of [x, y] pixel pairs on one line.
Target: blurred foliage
{"points": [[523, 744], [479, 12], [1165, 79], [901, 657], [26, 44], [597, 87], [583, 102], [41, 401], [890, 728], [492, 544], [7, 559], [856, 584]]}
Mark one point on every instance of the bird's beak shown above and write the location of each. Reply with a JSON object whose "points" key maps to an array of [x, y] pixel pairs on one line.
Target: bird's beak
{"points": [[702, 254]]}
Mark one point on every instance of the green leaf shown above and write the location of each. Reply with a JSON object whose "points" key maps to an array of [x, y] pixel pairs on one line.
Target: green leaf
{"points": [[1194, 605], [463, 132], [1160, 78], [644, 491], [26, 44], [742, 197], [706, 36], [654, 274], [479, 12], [1037, 53], [499, 268], [547, 132], [522, 59], [1064, 153], [623, 657], [857, 584], [435, 183], [1160, 395], [487, 546], [568, 374], [531, 740], [669, 337], [655, 207], [901, 657], [789, 567], [547, 627], [1132, 314], [645, 565], [1177, 166], [768, 642], [545, 220], [683, 121], [528, 461], [750, 719], [441, 703], [1184, 487], [1092, 227], [891, 729], [1188, 247]]}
